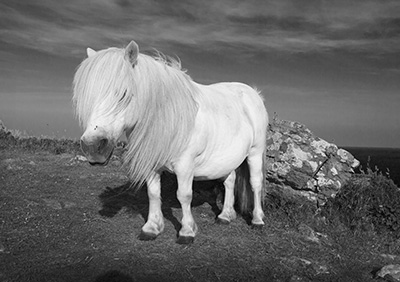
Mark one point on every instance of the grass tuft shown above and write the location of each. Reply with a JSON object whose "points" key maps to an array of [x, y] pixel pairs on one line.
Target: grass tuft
{"points": [[369, 202]]}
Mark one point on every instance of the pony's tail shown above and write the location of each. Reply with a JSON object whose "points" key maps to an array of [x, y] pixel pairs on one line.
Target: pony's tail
{"points": [[243, 192]]}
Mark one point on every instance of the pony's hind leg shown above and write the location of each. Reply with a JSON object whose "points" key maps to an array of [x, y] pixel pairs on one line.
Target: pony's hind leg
{"points": [[256, 167], [228, 212], [155, 220]]}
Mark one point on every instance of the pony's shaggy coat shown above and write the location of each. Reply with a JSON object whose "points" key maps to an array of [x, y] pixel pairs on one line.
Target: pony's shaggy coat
{"points": [[197, 132]]}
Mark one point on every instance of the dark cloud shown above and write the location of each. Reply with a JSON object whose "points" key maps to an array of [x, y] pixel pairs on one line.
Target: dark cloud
{"points": [[382, 29], [271, 23], [33, 9], [261, 26]]}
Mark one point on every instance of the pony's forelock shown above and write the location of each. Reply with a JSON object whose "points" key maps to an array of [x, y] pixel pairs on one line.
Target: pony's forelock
{"points": [[97, 80]]}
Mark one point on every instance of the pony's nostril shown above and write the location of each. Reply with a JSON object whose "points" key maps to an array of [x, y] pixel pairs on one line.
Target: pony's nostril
{"points": [[84, 147], [102, 144]]}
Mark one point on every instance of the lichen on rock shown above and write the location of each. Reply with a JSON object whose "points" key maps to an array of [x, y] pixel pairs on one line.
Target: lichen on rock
{"points": [[300, 163]]}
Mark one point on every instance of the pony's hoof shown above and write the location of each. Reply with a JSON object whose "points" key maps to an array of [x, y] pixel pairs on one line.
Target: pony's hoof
{"points": [[257, 226], [145, 236], [185, 240], [222, 221]]}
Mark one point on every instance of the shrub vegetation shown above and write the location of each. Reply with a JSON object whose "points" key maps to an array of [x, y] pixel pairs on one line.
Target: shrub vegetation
{"points": [[10, 139], [371, 201]]}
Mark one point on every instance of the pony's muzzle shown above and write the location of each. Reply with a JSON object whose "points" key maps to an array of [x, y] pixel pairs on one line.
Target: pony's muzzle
{"points": [[98, 152]]}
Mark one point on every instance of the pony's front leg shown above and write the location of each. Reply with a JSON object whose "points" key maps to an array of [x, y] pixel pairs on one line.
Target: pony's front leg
{"points": [[228, 212], [155, 220], [184, 195]]}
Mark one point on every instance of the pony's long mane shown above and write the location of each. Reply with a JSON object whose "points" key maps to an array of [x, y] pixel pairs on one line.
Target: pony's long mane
{"points": [[161, 96]]}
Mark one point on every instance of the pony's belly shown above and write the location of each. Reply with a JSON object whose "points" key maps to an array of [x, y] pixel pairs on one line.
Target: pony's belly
{"points": [[224, 150], [219, 165]]}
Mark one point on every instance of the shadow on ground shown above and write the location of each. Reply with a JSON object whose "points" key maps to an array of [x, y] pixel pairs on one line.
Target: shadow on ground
{"points": [[134, 200]]}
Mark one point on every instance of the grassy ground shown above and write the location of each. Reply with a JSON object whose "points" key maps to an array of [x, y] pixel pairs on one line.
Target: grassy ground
{"points": [[63, 220]]}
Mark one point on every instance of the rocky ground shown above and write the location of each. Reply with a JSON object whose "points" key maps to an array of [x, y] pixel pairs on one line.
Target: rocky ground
{"points": [[63, 220]]}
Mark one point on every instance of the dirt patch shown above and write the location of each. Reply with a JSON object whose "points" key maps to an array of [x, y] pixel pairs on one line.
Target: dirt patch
{"points": [[63, 220]]}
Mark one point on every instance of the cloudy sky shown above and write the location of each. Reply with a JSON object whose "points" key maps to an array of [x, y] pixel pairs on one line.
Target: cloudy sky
{"points": [[331, 65]]}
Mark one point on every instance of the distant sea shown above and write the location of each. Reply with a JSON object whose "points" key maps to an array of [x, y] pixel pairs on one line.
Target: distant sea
{"points": [[384, 159]]}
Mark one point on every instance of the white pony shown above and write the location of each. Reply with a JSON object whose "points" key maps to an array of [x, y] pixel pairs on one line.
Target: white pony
{"points": [[197, 132]]}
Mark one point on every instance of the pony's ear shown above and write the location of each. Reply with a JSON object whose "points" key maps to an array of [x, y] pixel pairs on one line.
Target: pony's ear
{"points": [[132, 52], [90, 52]]}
